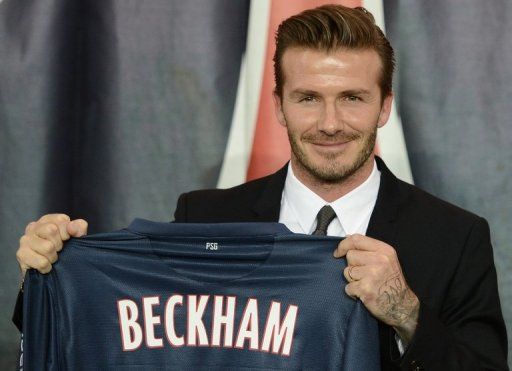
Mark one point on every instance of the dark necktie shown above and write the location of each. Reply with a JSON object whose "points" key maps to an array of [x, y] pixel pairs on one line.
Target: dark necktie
{"points": [[323, 219]]}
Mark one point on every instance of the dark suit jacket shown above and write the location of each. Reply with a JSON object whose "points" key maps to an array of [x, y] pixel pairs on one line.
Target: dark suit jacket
{"points": [[445, 253]]}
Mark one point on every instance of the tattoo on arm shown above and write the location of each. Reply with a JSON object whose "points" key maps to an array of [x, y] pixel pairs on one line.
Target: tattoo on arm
{"points": [[399, 306]]}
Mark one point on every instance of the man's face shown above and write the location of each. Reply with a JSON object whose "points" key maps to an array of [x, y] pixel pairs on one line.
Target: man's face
{"points": [[331, 107]]}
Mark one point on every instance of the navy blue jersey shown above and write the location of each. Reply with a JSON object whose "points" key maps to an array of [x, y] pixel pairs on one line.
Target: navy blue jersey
{"points": [[196, 296]]}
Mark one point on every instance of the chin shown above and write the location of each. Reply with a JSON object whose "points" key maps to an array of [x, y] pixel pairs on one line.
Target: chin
{"points": [[333, 175], [333, 167], [336, 170]]}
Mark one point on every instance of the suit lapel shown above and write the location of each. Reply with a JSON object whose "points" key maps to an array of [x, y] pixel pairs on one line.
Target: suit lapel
{"points": [[268, 205], [382, 224], [383, 227]]}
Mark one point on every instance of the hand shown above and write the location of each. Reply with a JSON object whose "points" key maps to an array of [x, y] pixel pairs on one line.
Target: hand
{"points": [[44, 239], [375, 277]]}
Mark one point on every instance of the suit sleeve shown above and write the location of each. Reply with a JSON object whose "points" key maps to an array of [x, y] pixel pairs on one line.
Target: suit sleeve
{"points": [[40, 334], [362, 345], [180, 214], [17, 316], [468, 333]]}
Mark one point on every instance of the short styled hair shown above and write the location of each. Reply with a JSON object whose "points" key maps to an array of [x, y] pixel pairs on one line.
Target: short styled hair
{"points": [[332, 27]]}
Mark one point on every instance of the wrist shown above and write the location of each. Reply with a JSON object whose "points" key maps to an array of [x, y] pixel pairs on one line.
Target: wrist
{"points": [[407, 327]]}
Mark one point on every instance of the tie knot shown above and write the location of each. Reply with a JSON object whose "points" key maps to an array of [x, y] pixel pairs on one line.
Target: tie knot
{"points": [[323, 219]]}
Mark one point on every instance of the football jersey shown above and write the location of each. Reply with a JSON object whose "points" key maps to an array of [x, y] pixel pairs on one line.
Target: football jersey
{"points": [[236, 296]]}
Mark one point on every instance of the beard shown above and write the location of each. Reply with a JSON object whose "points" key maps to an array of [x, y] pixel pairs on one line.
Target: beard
{"points": [[334, 171]]}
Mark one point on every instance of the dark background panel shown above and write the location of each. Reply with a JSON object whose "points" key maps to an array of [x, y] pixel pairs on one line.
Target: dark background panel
{"points": [[454, 85], [109, 109]]}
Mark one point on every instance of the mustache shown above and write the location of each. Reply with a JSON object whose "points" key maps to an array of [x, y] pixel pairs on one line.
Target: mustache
{"points": [[335, 138]]}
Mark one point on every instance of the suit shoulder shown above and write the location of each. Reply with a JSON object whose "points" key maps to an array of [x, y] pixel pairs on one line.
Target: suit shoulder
{"points": [[244, 190], [439, 210], [220, 205]]}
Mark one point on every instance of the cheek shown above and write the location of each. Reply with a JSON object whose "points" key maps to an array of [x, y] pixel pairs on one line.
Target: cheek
{"points": [[361, 121], [302, 118]]}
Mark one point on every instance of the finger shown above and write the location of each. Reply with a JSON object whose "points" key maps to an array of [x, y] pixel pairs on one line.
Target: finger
{"points": [[352, 289], [40, 246], [53, 218], [362, 291], [30, 259], [60, 220], [342, 248], [49, 232], [357, 242], [77, 228], [361, 258], [30, 226], [351, 273], [371, 275]]}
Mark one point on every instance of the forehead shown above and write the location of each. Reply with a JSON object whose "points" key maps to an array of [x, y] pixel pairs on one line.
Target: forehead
{"points": [[347, 67]]}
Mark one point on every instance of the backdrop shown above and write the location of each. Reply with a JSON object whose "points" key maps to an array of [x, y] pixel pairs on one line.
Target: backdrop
{"points": [[109, 109]]}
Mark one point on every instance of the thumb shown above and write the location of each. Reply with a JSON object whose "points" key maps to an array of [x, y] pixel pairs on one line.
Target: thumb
{"points": [[77, 228]]}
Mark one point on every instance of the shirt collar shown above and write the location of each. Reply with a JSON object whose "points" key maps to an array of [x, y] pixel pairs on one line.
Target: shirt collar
{"points": [[351, 209]]}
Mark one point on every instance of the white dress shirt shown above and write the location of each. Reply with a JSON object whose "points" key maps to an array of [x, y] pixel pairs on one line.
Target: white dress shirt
{"points": [[300, 205]]}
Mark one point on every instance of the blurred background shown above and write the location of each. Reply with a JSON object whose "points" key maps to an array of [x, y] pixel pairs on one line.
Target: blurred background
{"points": [[109, 109]]}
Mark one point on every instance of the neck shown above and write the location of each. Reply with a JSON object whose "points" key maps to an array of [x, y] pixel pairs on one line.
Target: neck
{"points": [[332, 190]]}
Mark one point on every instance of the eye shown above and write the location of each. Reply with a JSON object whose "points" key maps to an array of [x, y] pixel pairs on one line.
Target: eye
{"points": [[352, 98], [308, 99]]}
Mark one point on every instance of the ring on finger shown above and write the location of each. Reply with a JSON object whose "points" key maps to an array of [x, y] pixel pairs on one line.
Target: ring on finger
{"points": [[349, 273]]}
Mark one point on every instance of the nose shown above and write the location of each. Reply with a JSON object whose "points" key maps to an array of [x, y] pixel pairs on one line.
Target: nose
{"points": [[330, 121]]}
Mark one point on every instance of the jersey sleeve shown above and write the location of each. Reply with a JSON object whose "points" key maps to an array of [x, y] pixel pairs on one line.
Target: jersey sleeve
{"points": [[40, 333], [362, 345]]}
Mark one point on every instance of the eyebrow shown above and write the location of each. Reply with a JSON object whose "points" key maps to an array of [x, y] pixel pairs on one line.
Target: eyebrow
{"points": [[343, 93], [356, 92], [303, 92]]}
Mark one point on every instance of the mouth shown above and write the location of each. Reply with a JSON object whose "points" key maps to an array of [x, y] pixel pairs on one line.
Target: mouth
{"points": [[331, 146]]}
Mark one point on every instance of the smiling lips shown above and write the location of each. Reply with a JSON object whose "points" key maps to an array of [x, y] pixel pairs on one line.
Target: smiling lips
{"points": [[334, 143], [330, 147], [331, 143]]}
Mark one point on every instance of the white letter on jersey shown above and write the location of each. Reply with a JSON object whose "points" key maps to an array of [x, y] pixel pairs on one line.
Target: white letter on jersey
{"points": [[277, 333], [226, 320], [195, 325], [131, 331], [249, 326], [150, 321], [170, 330]]}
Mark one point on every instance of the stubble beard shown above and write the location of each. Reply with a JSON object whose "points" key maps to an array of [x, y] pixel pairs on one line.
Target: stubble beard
{"points": [[333, 172]]}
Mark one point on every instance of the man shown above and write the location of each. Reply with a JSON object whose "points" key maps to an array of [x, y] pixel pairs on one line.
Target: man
{"points": [[422, 267]]}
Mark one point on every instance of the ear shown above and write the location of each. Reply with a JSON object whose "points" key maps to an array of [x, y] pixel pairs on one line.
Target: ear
{"points": [[385, 110], [278, 107]]}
